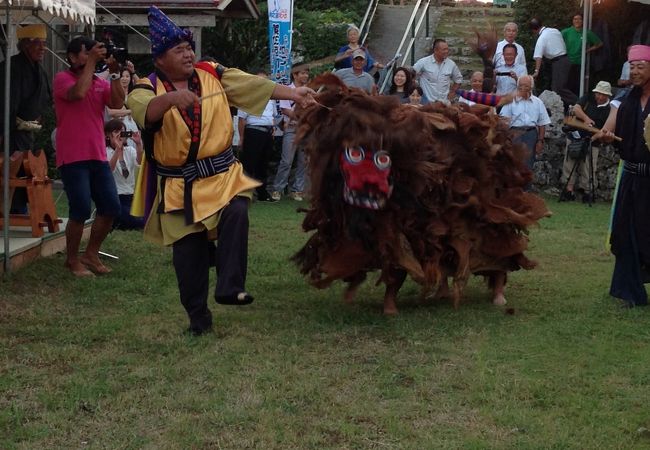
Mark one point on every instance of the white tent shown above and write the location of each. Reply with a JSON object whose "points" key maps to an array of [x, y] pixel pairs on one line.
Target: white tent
{"points": [[69, 10], [15, 11]]}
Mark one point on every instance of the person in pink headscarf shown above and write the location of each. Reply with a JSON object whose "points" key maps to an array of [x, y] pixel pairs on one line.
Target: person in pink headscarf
{"points": [[630, 238]]}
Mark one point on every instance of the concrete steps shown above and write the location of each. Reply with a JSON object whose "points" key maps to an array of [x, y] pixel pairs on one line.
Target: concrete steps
{"points": [[457, 27], [454, 24]]}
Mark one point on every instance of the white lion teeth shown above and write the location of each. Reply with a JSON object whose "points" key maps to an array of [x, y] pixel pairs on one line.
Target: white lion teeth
{"points": [[368, 200]]}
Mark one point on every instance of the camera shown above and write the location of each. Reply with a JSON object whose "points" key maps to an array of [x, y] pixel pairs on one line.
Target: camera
{"points": [[119, 53], [502, 74], [126, 134]]}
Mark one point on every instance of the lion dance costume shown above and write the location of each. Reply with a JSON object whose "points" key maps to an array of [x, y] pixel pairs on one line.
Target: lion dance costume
{"points": [[436, 193]]}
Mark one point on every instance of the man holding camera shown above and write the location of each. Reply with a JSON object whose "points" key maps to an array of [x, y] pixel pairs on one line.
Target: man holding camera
{"points": [[80, 98], [509, 71], [593, 110]]}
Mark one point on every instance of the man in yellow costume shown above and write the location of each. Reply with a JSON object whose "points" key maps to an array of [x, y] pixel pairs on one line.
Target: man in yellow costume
{"points": [[201, 191]]}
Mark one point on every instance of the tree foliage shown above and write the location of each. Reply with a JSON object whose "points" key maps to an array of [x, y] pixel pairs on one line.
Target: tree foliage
{"points": [[319, 30]]}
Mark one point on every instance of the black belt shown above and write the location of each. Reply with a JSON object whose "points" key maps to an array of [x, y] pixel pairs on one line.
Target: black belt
{"points": [[202, 168], [639, 169], [557, 58], [524, 128], [265, 128]]}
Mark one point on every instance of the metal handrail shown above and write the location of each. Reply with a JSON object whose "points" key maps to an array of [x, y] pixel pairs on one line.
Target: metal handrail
{"points": [[372, 5], [417, 30], [372, 16], [416, 9]]}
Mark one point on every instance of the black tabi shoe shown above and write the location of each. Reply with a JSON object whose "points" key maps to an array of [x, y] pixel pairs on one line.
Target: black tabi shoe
{"points": [[567, 196], [243, 298]]}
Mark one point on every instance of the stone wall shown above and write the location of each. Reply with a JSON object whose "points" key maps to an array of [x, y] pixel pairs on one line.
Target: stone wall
{"points": [[548, 167]]}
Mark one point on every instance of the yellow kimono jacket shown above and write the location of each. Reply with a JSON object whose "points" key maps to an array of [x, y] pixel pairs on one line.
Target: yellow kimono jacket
{"points": [[171, 146]]}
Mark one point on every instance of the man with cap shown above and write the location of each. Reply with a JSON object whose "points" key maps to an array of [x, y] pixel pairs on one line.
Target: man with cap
{"points": [[437, 74], [593, 109], [201, 193], [355, 77], [80, 98], [630, 238], [30, 95]]}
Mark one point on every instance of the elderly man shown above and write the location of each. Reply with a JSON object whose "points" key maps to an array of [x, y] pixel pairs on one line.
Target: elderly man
{"points": [[551, 48], [509, 72], [630, 237], [355, 77], [528, 118], [509, 35], [593, 110], [202, 192], [573, 39], [438, 75], [80, 98], [30, 96]]}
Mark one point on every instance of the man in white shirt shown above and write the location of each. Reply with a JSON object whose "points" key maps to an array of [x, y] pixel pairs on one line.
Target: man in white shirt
{"points": [[509, 72], [551, 47], [509, 35], [438, 75], [528, 118], [256, 144]]}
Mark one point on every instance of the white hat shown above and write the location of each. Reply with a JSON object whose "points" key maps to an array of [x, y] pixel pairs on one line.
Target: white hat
{"points": [[358, 53], [603, 87]]}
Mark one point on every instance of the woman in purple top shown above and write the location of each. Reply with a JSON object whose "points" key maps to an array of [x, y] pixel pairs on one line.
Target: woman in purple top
{"points": [[343, 58]]}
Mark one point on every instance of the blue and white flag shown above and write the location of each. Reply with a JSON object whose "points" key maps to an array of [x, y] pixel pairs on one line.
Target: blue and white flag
{"points": [[280, 24]]}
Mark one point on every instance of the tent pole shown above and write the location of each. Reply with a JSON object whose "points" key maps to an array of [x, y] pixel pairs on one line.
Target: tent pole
{"points": [[583, 50], [6, 141]]}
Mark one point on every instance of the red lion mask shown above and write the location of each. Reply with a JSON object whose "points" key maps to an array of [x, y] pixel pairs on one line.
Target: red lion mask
{"points": [[366, 174]]}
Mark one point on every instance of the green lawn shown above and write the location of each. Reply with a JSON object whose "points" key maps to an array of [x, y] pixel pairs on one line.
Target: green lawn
{"points": [[104, 363]]}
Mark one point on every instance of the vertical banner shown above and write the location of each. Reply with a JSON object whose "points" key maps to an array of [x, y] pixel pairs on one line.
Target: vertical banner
{"points": [[280, 25]]}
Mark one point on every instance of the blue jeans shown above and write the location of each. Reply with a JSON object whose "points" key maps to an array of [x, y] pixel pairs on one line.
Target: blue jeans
{"points": [[86, 180], [288, 153]]}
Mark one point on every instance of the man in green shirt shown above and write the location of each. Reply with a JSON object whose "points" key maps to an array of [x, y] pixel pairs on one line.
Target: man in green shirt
{"points": [[573, 40]]}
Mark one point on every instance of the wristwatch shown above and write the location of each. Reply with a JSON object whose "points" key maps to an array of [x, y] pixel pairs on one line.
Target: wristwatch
{"points": [[114, 76]]}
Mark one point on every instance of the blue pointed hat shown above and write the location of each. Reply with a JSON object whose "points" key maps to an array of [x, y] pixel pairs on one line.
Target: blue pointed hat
{"points": [[164, 33]]}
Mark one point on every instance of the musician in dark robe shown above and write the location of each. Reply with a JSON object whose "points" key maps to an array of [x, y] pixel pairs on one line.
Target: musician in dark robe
{"points": [[30, 95], [630, 237]]}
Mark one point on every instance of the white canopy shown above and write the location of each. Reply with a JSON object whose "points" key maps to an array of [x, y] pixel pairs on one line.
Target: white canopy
{"points": [[69, 10]]}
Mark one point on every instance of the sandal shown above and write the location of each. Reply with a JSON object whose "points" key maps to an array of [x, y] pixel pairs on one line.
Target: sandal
{"points": [[243, 298]]}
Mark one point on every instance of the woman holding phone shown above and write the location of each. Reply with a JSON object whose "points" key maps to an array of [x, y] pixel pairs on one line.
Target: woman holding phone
{"points": [[124, 161]]}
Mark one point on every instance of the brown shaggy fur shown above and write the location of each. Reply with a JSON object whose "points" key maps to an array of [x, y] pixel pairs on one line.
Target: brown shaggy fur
{"points": [[458, 206]]}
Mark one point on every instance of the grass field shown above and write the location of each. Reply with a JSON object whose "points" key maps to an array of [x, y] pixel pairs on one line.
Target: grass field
{"points": [[104, 363]]}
